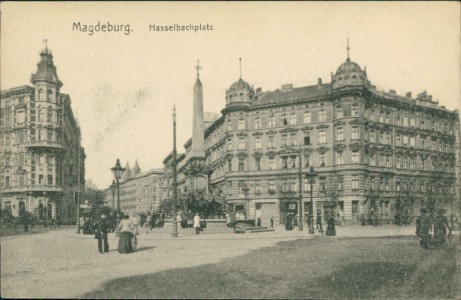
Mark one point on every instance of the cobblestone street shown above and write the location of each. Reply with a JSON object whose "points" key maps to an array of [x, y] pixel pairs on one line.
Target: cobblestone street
{"points": [[63, 264]]}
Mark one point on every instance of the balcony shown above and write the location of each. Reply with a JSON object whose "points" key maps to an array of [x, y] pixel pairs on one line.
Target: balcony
{"points": [[32, 188], [44, 144]]}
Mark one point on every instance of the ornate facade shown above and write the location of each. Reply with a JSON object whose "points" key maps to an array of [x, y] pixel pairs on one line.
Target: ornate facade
{"points": [[41, 156], [375, 153]]}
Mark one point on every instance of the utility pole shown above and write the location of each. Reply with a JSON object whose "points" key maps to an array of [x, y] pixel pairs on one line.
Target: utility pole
{"points": [[78, 185], [174, 232]]}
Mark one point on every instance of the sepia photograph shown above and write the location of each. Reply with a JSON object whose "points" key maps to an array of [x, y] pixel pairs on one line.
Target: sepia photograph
{"points": [[230, 150]]}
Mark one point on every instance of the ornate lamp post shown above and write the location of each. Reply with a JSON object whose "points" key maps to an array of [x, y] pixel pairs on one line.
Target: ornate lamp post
{"points": [[311, 175], [118, 171], [113, 186]]}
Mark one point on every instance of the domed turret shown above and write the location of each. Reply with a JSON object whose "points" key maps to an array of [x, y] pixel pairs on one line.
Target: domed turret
{"points": [[349, 73], [240, 92]]}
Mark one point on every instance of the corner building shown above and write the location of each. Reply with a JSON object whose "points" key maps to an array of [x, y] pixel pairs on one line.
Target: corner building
{"points": [[41, 156], [375, 153]]}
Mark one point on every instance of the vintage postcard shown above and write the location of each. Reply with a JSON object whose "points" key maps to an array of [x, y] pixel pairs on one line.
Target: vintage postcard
{"points": [[230, 150]]}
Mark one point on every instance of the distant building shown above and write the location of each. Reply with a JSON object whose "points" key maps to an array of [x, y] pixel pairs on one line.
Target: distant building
{"points": [[139, 193], [375, 153], [41, 156]]}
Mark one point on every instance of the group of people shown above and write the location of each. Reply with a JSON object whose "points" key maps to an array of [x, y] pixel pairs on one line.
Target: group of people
{"points": [[127, 230], [432, 231]]}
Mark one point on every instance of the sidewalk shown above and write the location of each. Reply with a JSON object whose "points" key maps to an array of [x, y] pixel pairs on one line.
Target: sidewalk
{"points": [[280, 232]]}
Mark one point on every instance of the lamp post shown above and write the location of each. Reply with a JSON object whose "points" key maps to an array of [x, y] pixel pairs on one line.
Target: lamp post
{"points": [[113, 186], [311, 175], [46, 207], [118, 171], [174, 232], [300, 190]]}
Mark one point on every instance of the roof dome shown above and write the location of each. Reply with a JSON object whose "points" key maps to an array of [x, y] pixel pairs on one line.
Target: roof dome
{"points": [[349, 74], [348, 67], [240, 85], [240, 92]]}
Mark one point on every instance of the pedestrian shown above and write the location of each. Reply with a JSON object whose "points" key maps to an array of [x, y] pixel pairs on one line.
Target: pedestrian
{"points": [[440, 228], [259, 221], [423, 228], [124, 242], [331, 231], [319, 223], [197, 223], [102, 229], [134, 231], [363, 220], [272, 222], [148, 223]]}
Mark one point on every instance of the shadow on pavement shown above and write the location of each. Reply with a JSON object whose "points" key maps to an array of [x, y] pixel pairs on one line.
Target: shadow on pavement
{"points": [[326, 268]]}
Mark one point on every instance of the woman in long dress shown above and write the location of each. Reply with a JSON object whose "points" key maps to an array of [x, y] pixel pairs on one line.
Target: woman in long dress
{"points": [[331, 230], [125, 229]]}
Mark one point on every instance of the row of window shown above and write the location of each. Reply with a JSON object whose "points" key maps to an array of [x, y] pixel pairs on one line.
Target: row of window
{"points": [[341, 112], [272, 121], [401, 140], [378, 160], [34, 134], [21, 180], [374, 183], [410, 120], [43, 115]]}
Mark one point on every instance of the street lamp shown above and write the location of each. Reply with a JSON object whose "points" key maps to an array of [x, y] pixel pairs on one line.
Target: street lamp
{"points": [[113, 186], [311, 175], [46, 207], [118, 171]]}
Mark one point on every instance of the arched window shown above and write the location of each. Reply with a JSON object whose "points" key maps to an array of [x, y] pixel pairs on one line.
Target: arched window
{"points": [[41, 115], [354, 79], [340, 81], [41, 95], [49, 95], [49, 115]]}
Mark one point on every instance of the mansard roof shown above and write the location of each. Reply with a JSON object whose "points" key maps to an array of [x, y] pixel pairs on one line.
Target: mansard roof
{"points": [[280, 96]]}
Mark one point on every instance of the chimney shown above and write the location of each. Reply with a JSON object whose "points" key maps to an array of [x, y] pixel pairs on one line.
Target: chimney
{"points": [[258, 91], [408, 95], [319, 83], [430, 97], [393, 92], [287, 87]]}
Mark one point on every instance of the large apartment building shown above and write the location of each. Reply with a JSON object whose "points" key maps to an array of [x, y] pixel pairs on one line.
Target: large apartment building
{"points": [[374, 152], [42, 163]]}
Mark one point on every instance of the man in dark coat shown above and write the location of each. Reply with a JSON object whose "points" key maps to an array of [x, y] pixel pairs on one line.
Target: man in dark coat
{"points": [[319, 223], [423, 228], [102, 229], [440, 228]]}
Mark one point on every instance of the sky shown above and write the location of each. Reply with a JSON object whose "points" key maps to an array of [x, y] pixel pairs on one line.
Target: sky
{"points": [[124, 86]]}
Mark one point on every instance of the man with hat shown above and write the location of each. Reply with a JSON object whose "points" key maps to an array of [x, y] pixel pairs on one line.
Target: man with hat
{"points": [[102, 228], [423, 228]]}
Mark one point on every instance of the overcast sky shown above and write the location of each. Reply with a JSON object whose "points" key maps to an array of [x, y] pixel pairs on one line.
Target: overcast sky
{"points": [[123, 87]]}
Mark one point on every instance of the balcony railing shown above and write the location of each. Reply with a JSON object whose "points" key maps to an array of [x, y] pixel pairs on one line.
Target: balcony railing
{"points": [[44, 144], [32, 188]]}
